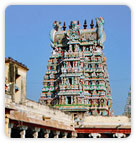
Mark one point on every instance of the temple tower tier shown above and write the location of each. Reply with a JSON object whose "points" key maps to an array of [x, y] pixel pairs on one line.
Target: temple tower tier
{"points": [[77, 79], [127, 110]]}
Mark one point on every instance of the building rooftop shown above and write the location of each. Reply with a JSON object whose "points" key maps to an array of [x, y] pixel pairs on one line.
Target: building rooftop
{"points": [[9, 59]]}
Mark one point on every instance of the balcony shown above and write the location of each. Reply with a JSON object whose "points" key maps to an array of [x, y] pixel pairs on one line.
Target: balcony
{"points": [[73, 107], [101, 87], [74, 86], [89, 87], [87, 53], [89, 70], [71, 54], [98, 107], [98, 53], [99, 70], [46, 88], [70, 74], [69, 93], [95, 61], [55, 55], [94, 87], [53, 71]]}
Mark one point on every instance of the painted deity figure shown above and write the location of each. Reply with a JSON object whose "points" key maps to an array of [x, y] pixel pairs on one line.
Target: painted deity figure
{"points": [[74, 31], [101, 33], [56, 27], [98, 50], [70, 48]]}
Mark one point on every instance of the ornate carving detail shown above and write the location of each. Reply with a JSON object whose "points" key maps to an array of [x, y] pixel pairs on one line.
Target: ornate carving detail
{"points": [[56, 25], [74, 31], [100, 30]]}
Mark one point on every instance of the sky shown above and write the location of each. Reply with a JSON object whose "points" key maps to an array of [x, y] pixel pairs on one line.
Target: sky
{"points": [[27, 40]]}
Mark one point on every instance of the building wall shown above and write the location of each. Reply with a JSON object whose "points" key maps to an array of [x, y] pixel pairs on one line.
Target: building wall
{"points": [[21, 83], [15, 80]]}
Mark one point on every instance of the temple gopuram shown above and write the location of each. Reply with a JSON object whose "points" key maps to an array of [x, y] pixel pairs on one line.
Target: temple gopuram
{"points": [[77, 79], [127, 110], [76, 96]]}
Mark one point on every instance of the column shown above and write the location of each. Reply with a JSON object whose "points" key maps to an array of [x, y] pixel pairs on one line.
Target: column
{"points": [[75, 99], [119, 135], [60, 99], [10, 126], [73, 80], [63, 99], [56, 134], [84, 48], [95, 135], [64, 135], [62, 79], [70, 48], [7, 124], [46, 133], [12, 90], [23, 90], [74, 134], [23, 131], [35, 134]]}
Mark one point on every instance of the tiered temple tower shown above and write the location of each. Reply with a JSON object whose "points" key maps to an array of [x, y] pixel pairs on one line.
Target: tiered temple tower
{"points": [[77, 79], [127, 110]]}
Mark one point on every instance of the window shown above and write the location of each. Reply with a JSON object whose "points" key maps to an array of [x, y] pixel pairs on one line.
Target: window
{"points": [[96, 66], [48, 76], [90, 82], [90, 92], [67, 49], [87, 48], [70, 80], [71, 63], [73, 49], [48, 84], [75, 117], [81, 48], [69, 100], [97, 82], [89, 66], [54, 84], [51, 67]]}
